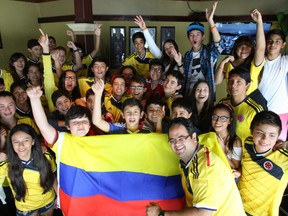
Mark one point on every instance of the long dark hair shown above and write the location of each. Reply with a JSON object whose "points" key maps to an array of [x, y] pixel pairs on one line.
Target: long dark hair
{"points": [[13, 58], [75, 93], [16, 168], [244, 40], [165, 58], [231, 128]]}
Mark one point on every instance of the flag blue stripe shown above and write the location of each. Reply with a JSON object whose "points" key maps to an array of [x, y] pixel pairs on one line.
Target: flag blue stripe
{"points": [[122, 186]]}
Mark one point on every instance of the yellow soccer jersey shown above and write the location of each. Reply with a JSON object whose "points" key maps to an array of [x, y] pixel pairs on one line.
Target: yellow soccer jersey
{"points": [[254, 73], [7, 77], [263, 180], [244, 112], [34, 198], [140, 64], [209, 184]]}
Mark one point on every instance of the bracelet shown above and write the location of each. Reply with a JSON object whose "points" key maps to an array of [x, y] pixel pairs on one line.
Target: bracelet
{"points": [[212, 28], [75, 50], [180, 65]]}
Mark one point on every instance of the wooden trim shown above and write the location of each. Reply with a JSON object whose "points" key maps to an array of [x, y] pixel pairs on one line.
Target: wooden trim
{"points": [[199, 18]]}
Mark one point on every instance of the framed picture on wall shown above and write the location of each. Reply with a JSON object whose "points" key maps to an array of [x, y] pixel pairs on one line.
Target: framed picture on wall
{"points": [[167, 33], [1, 44], [117, 45], [133, 30]]}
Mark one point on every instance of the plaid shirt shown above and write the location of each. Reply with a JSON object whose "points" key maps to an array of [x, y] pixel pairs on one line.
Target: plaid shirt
{"points": [[209, 55]]}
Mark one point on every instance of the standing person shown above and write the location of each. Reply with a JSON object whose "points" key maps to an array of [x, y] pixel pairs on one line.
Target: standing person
{"points": [[264, 171], [200, 60], [208, 183], [139, 59], [244, 54], [274, 82], [35, 52], [30, 172], [170, 55], [224, 125]]}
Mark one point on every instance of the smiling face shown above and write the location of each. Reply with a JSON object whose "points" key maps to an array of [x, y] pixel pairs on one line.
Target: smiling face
{"points": [[63, 104], [7, 108], [34, 75], [132, 116], [139, 45], [202, 92], [19, 65], [118, 88], [220, 120], [274, 45], [137, 90], [196, 39], [155, 72], [62, 57], [265, 137], [20, 95], [36, 51], [70, 81], [22, 144], [170, 85], [243, 51], [181, 142], [99, 69], [152, 112]]}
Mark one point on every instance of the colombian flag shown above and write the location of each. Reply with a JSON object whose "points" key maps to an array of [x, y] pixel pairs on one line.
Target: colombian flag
{"points": [[117, 174]]}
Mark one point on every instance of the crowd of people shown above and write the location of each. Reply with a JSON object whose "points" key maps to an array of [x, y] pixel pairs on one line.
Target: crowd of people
{"points": [[155, 90]]}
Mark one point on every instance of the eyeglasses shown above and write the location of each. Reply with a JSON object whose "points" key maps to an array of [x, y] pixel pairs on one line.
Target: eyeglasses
{"points": [[70, 78], [158, 70], [221, 118], [180, 139], [136, 87]]}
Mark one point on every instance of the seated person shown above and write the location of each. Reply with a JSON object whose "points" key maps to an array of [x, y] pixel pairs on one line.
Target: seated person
{"points": [[138, 88], [62, 105], [132, 112], [245, 108], [154, 114], [140, 59], [264, 170], [172, 85], [154, 83], [181, 108]]}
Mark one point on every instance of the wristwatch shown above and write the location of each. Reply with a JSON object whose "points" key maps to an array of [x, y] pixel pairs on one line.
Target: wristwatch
{"points": [[162, 213]]}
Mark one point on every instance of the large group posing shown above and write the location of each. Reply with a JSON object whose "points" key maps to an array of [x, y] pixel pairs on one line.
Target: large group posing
{"points": [[160, 91]]}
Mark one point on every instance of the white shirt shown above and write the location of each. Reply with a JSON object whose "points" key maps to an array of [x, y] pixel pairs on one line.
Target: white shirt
{"points": [[274, 84]]}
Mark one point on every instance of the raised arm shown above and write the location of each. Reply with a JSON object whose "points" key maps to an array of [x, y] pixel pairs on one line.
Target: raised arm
{"points": [[154, 49], [78, 61], [220, 72], [260, 37], [47, 131], [70, 33], [97, 31], [49, 82], [98, 89], [209, 16]]}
